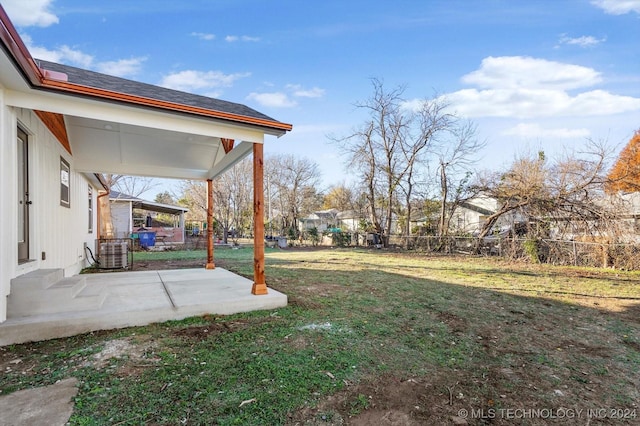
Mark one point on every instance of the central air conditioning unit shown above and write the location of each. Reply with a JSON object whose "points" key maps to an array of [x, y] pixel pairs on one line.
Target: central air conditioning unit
{"points": [[114, 255]]}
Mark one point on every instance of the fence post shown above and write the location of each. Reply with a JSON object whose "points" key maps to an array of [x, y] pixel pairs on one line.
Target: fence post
{"points": [[575, 254]]}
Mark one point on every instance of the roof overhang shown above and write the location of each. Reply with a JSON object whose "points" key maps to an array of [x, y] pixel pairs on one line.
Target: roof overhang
{"points": [[114, 132], [137, 203], [119, 139]]}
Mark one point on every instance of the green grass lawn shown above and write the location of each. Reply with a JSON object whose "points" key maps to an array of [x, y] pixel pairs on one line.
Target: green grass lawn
{"points": [[364, 331]]}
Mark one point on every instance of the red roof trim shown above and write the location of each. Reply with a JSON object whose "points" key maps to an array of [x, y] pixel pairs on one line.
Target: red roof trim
{"points": [[139, 100], [17, 49]]}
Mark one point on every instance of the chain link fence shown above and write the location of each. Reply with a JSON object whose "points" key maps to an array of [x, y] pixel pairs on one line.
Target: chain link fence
{"points": [[556, 252]]}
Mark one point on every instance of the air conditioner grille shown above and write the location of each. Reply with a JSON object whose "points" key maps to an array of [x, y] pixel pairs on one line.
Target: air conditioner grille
{"points": [[113, 255]]}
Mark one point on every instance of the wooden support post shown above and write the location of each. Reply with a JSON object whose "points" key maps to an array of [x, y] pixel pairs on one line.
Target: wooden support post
{"points": [[210, 264], [259, 283]]}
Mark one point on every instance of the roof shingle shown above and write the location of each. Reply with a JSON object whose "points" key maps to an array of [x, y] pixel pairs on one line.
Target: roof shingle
{"points": [[122, 85]]}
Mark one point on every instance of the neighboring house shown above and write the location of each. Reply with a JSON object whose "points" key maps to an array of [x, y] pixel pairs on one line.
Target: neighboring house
{"points": [[622, 227], [125, 222], [349, 220], [629, 225], [61, 127], [321, 220], [470, 216], [346, 221]]}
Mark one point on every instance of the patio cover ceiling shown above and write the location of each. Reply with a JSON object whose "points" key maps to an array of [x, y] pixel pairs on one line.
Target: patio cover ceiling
{"points": [[120, 126]]}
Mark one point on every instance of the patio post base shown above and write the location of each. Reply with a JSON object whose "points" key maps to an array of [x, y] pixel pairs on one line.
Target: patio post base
{"points": [[210, 266], [259, 289]]}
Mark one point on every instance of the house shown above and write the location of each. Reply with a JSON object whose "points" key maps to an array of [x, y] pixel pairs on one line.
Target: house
{"points": [[470, 215], [350, 220], [125, 222], [620, 222], [321, 220], [61, 127]]}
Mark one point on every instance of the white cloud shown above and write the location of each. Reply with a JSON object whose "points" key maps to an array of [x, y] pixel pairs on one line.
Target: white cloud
{"points": [[75, 57], [62, 54], [525, 103], [534, 131], [618, 7], [416, 104], [526, 88], [122, 67], [300, 92], [204, 36], [70, 56], [584, 41], [522, 71], [234, 38], [30, 13], [200, 81], [273, 99]]}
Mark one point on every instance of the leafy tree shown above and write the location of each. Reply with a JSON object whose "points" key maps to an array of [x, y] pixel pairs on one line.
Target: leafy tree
{"points": [[625, 174], [164, 218], [164, 198], [314, 236], [339, 197]]}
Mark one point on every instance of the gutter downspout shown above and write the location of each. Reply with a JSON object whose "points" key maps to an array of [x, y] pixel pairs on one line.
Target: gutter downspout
{"points": [[108, 191]]}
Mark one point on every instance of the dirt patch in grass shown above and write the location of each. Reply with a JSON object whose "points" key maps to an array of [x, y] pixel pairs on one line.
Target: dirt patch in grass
{"points": [[201, 332], [156, 265], [390, 401]]}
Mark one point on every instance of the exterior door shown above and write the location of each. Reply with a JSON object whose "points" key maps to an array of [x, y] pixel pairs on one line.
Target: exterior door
{"points": [[23, 197]]}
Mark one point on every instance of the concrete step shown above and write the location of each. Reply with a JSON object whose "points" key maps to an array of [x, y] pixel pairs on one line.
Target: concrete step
{"points": [[70, 285], [69, 294], [38, 279]]}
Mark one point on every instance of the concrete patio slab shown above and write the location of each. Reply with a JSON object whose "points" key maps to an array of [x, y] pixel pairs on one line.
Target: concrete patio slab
{"points": [[141, 298]]}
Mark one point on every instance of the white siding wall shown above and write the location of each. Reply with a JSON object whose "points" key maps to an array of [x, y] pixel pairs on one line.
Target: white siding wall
{"points": [[8, 215], [121, 215], [58, 232]]}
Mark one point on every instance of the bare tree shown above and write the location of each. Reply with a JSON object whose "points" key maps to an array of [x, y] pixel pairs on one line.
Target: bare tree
{"points": [[392, 152], [375, 151], [130, 185], [193, 195], [362, 160], [292, 188], [427, 125], [232, 199], [455, 156]]}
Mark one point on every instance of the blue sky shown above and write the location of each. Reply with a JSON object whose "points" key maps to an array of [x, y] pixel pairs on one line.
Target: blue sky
{"points": [[532, 74]]}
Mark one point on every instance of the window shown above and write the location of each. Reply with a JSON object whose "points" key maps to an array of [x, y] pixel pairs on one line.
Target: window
{"points": [[65, 193], [90, 209]]}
